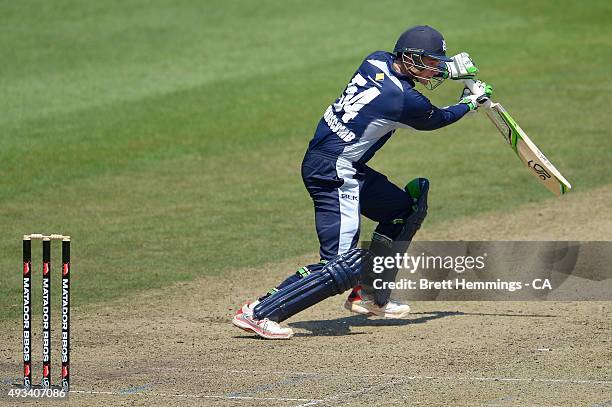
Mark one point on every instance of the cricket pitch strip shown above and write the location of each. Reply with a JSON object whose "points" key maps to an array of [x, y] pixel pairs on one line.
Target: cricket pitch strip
{"points": [[176, 346]]}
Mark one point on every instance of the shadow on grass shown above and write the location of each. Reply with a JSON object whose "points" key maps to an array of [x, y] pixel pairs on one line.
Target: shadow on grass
{"points": [[342, 326]]}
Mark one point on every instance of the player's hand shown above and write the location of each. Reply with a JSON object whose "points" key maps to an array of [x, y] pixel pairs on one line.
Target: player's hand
{"points": [[462, 67], [477, 100]]}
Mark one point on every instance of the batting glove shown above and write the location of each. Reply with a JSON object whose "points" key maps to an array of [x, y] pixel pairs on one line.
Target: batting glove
{"points": [[462, 67]]}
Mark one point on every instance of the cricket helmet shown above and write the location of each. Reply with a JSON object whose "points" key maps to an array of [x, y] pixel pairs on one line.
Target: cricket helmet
{"points": [[422, 40]]}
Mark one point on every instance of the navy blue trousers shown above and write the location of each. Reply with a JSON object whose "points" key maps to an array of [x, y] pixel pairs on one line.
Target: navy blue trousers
{"points": [[341, 191]]}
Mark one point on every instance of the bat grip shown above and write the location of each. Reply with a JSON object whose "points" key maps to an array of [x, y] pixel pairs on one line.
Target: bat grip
{"points": [[471, 85]]}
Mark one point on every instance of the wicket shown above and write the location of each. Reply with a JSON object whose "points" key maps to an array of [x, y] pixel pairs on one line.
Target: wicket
{"points": [[46, 309]]}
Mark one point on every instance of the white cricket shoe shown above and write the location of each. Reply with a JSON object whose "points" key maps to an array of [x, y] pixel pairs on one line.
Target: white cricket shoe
{"points": [[263, 327], [361, 304]]}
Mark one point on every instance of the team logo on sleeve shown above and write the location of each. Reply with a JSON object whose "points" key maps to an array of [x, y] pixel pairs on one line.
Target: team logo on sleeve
{"points": [[380, 76]]}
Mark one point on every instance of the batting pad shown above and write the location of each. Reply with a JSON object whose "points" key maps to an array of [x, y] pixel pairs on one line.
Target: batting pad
{"points": [[337, 276]]}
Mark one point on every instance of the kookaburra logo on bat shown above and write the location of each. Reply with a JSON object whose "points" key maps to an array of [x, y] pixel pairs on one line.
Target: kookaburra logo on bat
{"points": [[539, 169]]}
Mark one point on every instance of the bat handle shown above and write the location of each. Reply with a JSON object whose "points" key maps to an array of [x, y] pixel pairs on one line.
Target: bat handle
{"points": [[471, 85]]}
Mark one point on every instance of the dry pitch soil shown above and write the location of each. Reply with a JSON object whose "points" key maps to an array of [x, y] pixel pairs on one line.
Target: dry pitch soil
{"points": [[176, 346]]}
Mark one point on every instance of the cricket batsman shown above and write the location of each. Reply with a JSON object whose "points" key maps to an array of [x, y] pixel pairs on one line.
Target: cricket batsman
{"points": [[380, 98]]}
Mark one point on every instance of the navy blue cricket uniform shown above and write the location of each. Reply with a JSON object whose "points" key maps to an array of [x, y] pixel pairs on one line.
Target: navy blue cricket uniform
{"points": [[377, 101]]}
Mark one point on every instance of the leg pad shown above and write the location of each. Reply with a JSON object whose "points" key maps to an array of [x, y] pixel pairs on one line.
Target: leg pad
{"points": [[337, 276], [391, 238]]}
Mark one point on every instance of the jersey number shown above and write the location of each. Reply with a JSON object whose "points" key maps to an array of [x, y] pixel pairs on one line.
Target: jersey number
{"points": [[351, 101]]}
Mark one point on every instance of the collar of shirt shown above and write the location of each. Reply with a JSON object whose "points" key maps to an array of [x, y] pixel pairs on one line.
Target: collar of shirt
{"points": [[400, 76]]}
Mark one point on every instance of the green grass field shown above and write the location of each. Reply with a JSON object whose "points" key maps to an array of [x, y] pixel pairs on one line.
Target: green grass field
{"points": [[166, 137]]}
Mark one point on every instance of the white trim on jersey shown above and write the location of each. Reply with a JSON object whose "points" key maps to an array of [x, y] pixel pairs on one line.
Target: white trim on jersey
{"points": [[348, 197], [382, 65], [375, 130]]}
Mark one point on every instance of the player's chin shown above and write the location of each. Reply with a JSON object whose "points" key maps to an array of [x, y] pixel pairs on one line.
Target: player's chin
{"points": [[423, 81]]}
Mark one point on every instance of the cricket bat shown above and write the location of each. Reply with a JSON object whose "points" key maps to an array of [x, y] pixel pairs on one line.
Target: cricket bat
{"points": [[524, 148]]}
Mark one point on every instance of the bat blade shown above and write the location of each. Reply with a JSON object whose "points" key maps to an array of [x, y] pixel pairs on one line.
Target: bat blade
{"points": [[538, 164], [525, 149]]}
